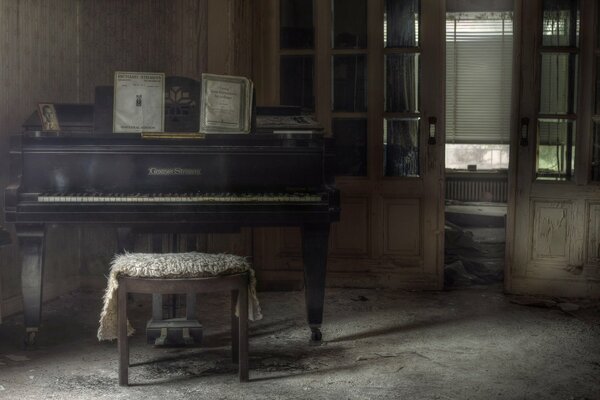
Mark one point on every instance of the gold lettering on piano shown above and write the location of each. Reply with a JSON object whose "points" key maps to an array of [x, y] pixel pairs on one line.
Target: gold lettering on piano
{"points": [[155, 171]]}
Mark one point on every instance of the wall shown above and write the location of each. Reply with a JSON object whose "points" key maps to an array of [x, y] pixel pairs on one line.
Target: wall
{"points": [[58, 52], [38, 43]]}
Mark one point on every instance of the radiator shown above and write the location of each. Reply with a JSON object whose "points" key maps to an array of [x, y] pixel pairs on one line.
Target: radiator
{"points": [[477, 186]]}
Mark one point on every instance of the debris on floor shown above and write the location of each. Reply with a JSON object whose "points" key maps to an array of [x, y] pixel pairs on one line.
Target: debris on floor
{"points": [[413, 345], [533, 301], [473, 256], [568, 306], [13, 357]]}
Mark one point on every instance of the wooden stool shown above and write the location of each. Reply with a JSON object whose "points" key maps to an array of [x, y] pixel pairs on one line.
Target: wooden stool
{"points": [[237, 284]]}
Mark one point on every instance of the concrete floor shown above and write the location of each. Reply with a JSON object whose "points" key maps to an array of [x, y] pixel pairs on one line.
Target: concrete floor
{"points": [[463, 344]]}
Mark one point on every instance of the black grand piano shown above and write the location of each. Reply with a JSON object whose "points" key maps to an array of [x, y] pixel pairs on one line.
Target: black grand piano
{"points": [[84, 175]]}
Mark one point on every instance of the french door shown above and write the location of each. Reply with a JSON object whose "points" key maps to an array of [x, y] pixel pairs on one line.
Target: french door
{"points": [[372, 71], [554, 217]]}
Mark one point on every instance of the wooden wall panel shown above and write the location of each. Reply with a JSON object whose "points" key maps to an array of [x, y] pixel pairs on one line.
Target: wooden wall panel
{"points": [[154, 35], [402, 231], [58, 52], [593, 242], [38, 42], [551, 221], [350, 236]]}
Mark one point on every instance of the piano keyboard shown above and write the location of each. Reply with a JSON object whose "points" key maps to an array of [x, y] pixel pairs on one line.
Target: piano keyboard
{"points": [[178, 198]]}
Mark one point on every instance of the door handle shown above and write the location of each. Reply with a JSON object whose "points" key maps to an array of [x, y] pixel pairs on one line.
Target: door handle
{"points": [[524, 131], [432, 130]]}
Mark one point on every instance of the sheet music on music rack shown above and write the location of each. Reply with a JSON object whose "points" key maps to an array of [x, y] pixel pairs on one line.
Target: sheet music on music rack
{"points": [[226, 104], [288, 124], [139, 102]]}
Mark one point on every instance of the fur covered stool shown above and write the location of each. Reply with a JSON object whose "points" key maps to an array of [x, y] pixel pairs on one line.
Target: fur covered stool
{"points": [[179, 273]]}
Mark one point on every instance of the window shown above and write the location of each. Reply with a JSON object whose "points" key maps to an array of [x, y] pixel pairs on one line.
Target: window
{"points": [[349, 103], [556, 127], [297, 42], [484, 156], [479, 48], [401, 123], [344, 48]]}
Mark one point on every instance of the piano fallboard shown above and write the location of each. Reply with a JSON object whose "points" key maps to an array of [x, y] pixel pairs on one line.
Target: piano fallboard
{"points": [[86, 164], [248, 180]]}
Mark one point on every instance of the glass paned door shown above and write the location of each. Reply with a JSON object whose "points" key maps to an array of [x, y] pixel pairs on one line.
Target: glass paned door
{"points": [[349, 79], [401, 145], [558, 90]]}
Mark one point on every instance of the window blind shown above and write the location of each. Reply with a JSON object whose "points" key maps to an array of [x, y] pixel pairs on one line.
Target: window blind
{"points": [[478, 77]]}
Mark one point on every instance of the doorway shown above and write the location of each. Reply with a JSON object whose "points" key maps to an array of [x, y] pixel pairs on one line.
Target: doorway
{"points": [[479, 63]]}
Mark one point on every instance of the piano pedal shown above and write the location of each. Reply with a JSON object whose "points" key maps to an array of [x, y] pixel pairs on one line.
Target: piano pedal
{"points": [[161, 340], [174, 332], [187, 339]]}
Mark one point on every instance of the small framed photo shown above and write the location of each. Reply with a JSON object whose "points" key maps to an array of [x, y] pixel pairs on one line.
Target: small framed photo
{"points": [[48, 117]]}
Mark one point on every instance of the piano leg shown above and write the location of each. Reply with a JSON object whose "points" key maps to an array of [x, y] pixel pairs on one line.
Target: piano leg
{"points": [[31, 244], [314, 253]]}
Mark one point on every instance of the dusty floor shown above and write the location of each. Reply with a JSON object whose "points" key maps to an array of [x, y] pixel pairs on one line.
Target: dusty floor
{"points": [[464, 344]]}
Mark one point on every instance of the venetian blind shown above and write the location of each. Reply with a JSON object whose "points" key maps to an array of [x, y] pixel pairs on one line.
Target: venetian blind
{"points": [[478, 77]]}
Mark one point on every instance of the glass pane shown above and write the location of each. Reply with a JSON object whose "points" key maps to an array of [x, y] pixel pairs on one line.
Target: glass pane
{"points": [[401, 23], [596, 152], [402, 83], [484, 156], [350, 83], [401, 147], [296, 21], [558, 83], [561, 23], [479, 62], [350, 146], [556, 149], [349, 24], [296, 81]]}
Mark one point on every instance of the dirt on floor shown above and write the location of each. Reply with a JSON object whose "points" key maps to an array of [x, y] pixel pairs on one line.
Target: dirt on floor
{"points": [[378, 344]]}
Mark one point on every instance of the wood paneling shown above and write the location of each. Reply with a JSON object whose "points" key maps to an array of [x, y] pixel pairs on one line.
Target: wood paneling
{"points": [[593, 242], [58, 51], [402, 230], [350, 236], [155, 35], [38, 42], [550, 227]]}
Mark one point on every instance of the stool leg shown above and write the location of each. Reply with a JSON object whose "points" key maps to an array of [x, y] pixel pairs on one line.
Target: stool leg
{"points": [[122, 335], [234, 328], [243, 333]]}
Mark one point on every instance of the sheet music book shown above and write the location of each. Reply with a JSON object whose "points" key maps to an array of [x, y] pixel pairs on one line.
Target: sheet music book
{"points": [[226, 104], [139, 99], [288, 124]]}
